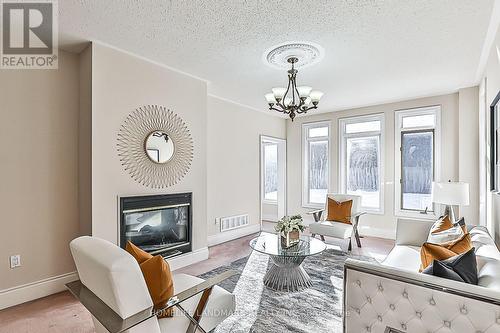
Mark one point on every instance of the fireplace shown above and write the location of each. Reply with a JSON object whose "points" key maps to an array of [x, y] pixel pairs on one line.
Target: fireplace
{"points": [[158, 224]]}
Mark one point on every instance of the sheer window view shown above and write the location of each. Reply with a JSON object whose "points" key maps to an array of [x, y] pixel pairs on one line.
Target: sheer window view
{"points": [[417, 169], [417, 135], [363, 170], [317, 163], [271, 172], [361, 160]]}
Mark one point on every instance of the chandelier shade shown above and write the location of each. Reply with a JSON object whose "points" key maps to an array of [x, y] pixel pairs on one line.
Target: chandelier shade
{"points": [[293, 99], [304, 91], [278, 93], [270, 98]]}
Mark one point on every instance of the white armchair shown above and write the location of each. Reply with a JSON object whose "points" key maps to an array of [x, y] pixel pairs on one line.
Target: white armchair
{"points": [[113, 289], [323, 227]]}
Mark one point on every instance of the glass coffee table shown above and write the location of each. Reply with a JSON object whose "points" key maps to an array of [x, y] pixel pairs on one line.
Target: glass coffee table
{"points": [[286, 272]]}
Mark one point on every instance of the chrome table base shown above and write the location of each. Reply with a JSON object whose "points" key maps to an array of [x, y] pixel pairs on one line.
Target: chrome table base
{"points": [[287, 274]]}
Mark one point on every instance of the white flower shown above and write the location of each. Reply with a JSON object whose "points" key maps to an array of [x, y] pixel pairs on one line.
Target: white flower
{"points": [[290, 223]]}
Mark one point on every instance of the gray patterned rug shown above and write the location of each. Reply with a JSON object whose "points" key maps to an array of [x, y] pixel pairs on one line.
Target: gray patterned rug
{"points": [[259, 309]]}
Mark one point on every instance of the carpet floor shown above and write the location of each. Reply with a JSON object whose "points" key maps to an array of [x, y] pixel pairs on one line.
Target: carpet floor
{"points": [[259, 309]]}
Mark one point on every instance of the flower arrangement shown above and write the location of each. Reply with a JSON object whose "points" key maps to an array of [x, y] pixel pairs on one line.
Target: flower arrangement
{"points": [[290, 223], [290, 227]]}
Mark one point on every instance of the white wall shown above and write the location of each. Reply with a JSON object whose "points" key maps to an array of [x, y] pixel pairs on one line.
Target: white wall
{"points": [[468, 143], [224, 176], [372, 224], [491, 85], [121, 83], [85, 142], [233, 165], [39, 175]]}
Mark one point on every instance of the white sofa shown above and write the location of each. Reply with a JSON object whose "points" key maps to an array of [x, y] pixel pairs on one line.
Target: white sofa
{"points": [[394, 295], [114, 276]]}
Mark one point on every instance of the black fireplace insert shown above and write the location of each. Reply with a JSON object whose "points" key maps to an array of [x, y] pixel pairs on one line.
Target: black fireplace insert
{"points": [[158, 224]]}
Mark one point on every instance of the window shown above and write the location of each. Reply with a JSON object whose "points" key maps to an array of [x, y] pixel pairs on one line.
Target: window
{"points": [[361, 172], [417, 142], [270, 172], [316, 168]]}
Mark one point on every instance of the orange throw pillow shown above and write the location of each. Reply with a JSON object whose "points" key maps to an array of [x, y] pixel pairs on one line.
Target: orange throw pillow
{"points": [[157, 275], [430, 252], [136, 252], [339, 211], [442, 224], [160, 284]]}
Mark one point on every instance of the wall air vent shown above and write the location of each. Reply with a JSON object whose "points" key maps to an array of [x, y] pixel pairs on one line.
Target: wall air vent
{"points": [[233, 222]]}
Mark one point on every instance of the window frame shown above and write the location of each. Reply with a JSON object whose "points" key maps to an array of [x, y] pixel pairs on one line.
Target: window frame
{"points": [[305, 160], [398, 165], [264, 200], [343, 137]]}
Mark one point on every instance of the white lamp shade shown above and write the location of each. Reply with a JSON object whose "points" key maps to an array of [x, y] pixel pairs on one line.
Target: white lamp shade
{"points": [[278, 92], [450, 193], [270, 98], [304, 91], [316, 95]]}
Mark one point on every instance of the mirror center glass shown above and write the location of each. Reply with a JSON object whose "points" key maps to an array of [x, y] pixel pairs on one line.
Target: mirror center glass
{"points": [[159, 147]]}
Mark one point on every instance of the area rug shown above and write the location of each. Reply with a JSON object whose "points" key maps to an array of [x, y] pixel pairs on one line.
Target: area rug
{"points": [[259, 309]]}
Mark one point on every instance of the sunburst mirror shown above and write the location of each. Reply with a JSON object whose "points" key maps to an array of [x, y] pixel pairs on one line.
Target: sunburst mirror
{"points": [[155, 146]]}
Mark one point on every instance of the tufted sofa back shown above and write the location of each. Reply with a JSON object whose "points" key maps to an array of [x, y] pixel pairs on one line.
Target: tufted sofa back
{"points": [[377, 297], [380, 296]]}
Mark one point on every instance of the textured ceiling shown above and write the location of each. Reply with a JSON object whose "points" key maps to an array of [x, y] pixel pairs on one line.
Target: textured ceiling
{"points": [[375, 51]]}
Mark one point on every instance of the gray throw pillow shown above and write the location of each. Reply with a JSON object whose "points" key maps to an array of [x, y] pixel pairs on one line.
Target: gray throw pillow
{"points": [[462, 267]]}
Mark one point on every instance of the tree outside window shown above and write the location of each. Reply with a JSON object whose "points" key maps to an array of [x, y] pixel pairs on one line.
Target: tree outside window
{"points": [[360, 159], [316, 138]]}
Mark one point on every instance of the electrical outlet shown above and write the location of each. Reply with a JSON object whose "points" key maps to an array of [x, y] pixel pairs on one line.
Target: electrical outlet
{"points": [[217, 220], [15, 261]]}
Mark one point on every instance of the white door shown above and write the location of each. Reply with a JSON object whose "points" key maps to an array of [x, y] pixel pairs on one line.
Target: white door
{"points": [[273, 178]]}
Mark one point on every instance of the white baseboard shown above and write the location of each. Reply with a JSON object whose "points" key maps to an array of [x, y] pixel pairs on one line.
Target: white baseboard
{"points": [[187, 259], [31, 291], [227, 236]]}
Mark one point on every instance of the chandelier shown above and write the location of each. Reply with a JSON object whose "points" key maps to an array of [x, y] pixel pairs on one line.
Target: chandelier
{"points": [[293, 100]]}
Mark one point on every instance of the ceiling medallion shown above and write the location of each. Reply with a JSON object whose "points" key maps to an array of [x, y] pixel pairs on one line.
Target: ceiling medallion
{"points": [[293, 100], [307, 54]]}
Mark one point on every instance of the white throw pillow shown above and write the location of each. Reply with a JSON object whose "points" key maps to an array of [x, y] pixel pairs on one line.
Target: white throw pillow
{"points": [[446, 236]]}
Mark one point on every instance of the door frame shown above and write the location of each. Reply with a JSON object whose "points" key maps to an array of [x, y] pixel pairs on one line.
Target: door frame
{"points": [[282, 147]]}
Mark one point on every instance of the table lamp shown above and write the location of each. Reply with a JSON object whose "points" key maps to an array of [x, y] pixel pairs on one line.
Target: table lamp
{"points": [[450, 194]]}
